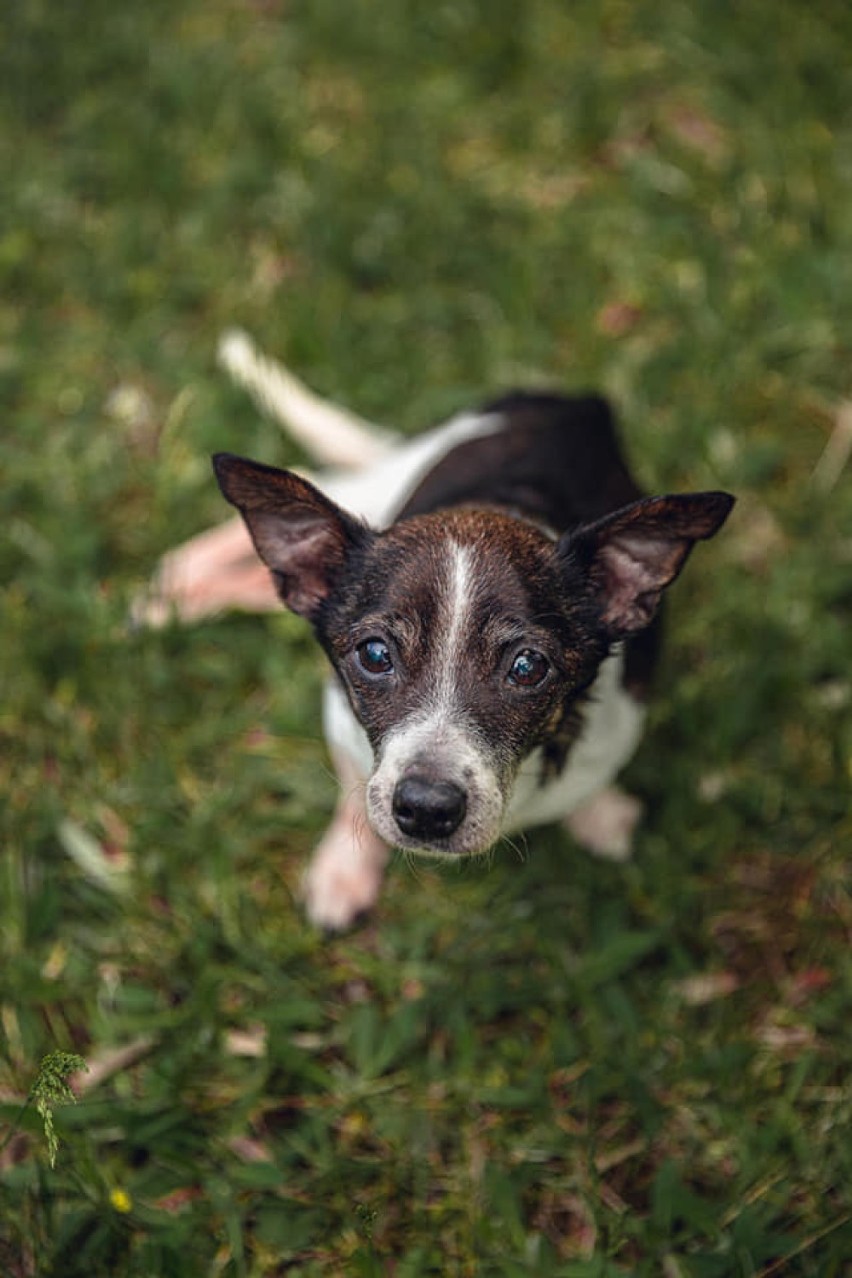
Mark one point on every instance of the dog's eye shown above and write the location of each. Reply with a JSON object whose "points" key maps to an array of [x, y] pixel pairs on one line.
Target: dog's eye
{"points": [[374, 657], [529, 669]]}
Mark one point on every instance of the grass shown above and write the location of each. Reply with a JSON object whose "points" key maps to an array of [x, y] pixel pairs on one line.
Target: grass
{"points": [[546, 1065]]}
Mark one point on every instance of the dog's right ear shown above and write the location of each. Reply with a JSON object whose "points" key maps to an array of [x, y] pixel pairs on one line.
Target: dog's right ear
{"points": [[631, 555], [301, 536]]}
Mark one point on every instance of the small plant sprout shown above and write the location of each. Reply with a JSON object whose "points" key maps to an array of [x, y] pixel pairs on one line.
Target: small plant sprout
{"points": [[51, 1088]]}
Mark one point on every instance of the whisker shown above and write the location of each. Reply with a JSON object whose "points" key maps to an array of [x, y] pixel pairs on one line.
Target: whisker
{"points": [[413, 863], [520, 847]]}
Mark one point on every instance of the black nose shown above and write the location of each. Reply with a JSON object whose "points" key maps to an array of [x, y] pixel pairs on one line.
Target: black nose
{"points": [[428, 809]]}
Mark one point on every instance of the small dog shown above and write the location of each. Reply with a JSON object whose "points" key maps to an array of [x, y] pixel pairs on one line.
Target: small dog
{"points": [[492, 629]]}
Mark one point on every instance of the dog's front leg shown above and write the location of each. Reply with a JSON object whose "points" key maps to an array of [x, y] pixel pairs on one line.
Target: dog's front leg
{"points": [[344, 877], [604, 825]]}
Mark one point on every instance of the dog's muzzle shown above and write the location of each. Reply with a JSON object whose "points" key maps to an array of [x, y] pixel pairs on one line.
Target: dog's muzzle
{"points": [[428, 810]]}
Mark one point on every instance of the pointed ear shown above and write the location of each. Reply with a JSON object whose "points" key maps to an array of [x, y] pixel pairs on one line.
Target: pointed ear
{"points": [[631, 555], [301, 536]]}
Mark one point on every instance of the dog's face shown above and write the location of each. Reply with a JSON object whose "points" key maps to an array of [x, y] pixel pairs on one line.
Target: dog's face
{"points": [[463, 638], [460, 648]]}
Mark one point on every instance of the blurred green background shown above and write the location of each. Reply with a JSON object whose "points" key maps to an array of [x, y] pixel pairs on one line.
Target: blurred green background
{"points": [[545, 1065]]}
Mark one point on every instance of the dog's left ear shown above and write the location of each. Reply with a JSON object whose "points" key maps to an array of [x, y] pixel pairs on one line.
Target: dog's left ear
{"points": [[631, 555], [301, 536]]}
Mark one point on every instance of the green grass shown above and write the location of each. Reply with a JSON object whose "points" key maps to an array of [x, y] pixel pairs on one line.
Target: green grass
{"points": [[545, 1065]]}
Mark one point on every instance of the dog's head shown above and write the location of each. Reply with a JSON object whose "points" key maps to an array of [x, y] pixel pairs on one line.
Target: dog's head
{"points": [[463, 637]]}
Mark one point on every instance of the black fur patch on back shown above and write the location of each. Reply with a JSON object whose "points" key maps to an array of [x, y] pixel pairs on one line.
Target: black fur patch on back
{"points": [[555, 461]]}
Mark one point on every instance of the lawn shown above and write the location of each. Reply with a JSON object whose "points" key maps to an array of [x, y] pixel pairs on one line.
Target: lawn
{"points": [[542, 1064]]}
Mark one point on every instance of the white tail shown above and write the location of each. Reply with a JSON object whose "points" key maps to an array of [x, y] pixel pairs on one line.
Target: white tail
{"points": [[331, 435]]}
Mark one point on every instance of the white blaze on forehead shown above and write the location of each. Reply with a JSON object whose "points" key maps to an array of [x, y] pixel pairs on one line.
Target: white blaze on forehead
{"points": [[448, 641], [459, 592]]}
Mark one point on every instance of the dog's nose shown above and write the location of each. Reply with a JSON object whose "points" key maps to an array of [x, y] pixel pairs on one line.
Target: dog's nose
{"points": [[428, 809]]}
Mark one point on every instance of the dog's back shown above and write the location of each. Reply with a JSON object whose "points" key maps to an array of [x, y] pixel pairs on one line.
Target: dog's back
{"points": [[553, 459]]}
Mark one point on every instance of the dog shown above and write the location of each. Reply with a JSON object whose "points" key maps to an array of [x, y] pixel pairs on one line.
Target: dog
{"points": [[488, 597]]}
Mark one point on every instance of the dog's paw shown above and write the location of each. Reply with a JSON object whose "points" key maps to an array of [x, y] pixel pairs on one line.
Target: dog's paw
{"points": [[344, 878], [604, 825]]}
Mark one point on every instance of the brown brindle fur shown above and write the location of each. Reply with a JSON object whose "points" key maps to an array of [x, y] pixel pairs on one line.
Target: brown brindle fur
{"points": [[521, 595]]}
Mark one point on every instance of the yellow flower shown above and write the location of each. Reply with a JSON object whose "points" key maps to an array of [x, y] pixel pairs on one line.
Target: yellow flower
{"points": [[121, 1200]]}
